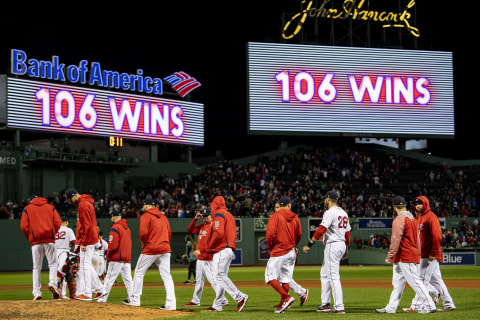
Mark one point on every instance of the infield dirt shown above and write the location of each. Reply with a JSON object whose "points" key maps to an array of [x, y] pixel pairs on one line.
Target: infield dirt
{"points": [[73, 309]]}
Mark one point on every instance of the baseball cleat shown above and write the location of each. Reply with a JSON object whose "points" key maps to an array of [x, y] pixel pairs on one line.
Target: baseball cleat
{"points": [[242, 303], [337, 311], [37, 298], [130, 303], [167, 308], [55, 293], [447, 309], [82, 297], [383, 311], [324, 308], [212, 309], [278, 310], [409, 309], [304, 298], [191, 304], [286, 304], [98, 295]]}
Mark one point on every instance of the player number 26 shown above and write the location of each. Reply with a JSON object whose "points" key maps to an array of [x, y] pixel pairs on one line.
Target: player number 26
{"points": [[342, 222]]}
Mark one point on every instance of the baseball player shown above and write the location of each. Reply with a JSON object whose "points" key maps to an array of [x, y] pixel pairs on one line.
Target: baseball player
{"points": [[431, 256], [335, 231], [283, 234], [204, 260], [155, 236], [64, 243], [190, 246], [98, 258], [405, 256], [292, 285], [39, 223], [119, 255], [87, 237], [221, 245], [67, 273]]}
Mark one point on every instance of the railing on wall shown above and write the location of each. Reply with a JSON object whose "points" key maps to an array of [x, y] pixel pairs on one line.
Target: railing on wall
{"points": [[100, 158]]}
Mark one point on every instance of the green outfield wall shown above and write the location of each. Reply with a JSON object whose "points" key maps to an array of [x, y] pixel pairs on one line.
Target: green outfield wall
{"points": [[15, 251]]}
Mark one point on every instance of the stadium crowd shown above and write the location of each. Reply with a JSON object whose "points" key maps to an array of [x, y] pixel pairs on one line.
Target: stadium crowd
{"points": [[366, 182]]}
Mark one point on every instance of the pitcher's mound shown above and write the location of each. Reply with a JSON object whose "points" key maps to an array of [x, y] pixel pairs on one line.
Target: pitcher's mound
{"points": [[74, 309]]}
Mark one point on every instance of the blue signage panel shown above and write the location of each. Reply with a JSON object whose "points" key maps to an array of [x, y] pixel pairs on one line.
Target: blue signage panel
{"points": [[375, 223], [263, 253], [238, 224], [458, 258], [238, 258]]}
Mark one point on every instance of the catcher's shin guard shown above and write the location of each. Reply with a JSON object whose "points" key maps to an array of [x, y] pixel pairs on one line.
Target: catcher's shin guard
{"points": [[72, 288]]}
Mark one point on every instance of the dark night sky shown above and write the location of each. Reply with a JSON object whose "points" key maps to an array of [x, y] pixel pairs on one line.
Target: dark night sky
{"points": [[209, 41]]}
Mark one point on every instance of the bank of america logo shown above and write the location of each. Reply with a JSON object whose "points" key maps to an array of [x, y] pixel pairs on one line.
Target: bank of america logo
{"points": [[182, 83]]}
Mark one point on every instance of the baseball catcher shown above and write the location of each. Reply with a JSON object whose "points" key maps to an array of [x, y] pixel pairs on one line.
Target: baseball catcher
{"points": [[69, 264]]}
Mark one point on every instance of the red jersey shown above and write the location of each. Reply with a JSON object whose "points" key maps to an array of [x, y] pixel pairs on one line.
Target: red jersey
{"points": [[224, 229], [283, 232], [430, 232], [404, 245], [119, 242], [203, 231], [87, 231], [40, 221], [155, 232]]}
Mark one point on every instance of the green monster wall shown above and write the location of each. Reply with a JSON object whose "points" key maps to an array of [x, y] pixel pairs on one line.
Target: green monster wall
{"points": [[15, 252]]}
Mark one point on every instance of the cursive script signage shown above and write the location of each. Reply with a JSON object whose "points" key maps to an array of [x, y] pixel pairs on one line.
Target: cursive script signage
{"points": [[353, 10]]}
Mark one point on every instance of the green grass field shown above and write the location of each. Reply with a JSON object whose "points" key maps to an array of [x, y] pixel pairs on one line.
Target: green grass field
{"points": [[359, 303]]}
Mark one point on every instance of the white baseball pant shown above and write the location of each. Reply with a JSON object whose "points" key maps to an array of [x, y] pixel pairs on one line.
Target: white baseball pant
{"points": [[281, 268], [98, 263], [204, 270], [88, 279], [62, 255], [113, 269], [429, 271], [39, 251], [220, 265], [407, 273], [163, 262], [330, 274]]}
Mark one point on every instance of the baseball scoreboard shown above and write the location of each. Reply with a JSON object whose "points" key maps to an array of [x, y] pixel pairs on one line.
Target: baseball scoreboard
{"points": [[350, 91], [78, 99]]}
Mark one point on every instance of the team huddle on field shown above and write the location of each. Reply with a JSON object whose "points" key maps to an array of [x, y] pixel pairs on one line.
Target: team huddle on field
{"points": [[89, 266]]}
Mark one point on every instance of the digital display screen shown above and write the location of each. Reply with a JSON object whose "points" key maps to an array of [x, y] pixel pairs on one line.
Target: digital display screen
{"points": [[349, 91], [44, 106]]}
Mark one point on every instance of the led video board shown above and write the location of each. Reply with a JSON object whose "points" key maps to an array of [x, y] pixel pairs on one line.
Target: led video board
{"points": [[325, 90], [45, 106]]}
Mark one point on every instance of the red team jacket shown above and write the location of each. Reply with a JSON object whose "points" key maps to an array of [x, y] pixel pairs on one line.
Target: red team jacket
{"points": [[119, 242], [40, 222], [224, 229], [283, 232], [404, 246], [87, 232], [430, 232], [155, 232], [203, 231]]}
